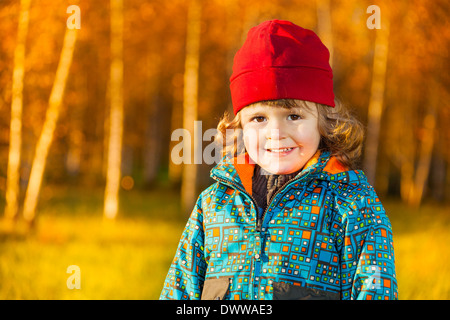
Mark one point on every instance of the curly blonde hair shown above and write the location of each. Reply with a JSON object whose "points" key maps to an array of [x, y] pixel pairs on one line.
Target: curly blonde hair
{"points": [[342, 134]]}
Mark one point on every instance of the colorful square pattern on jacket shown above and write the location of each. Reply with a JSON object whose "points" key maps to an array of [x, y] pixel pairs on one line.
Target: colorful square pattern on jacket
{"points": [[323, 231]]}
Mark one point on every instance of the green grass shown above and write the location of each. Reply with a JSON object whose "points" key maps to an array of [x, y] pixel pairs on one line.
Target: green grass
{"points": [[422, 253], [129, 258], [124, 259]]}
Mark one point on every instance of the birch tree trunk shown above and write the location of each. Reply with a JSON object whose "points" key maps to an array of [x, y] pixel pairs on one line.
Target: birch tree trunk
{"points": [[111, 203], [48, 129], [376, 100], [425, 148], [423, 166], [15, 135], [190, 102]]}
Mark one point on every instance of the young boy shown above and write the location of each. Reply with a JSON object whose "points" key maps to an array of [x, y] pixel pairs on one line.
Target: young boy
{"points": [[288, 216]]}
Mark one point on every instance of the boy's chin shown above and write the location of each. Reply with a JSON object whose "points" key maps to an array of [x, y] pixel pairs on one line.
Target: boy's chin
{"points": [[276, 167], [272, 165], [279, 172], [279, 169]]}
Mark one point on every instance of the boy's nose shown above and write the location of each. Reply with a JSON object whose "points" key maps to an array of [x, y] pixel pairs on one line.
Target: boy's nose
{"points": [[274, 131], [273, 134]]}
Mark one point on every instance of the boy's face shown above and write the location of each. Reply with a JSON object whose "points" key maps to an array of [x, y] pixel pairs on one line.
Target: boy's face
{"points": [[278, 139]]}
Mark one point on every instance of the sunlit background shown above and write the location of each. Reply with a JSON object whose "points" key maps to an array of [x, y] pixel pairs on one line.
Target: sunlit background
{"points": [[86, 175]]}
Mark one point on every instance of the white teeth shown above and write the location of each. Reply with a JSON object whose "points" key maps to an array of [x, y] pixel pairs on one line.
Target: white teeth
{"points": [[280, 150]]}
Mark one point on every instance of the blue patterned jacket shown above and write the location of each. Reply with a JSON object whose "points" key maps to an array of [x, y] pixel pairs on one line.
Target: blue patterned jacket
{"points": [[324, 235]]}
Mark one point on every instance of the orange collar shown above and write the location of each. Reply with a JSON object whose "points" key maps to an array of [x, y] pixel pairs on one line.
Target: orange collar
{"points": [[245, 168], [333, 165]]}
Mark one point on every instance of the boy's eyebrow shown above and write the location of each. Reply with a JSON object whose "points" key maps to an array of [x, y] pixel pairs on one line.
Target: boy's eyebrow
{"points": [[261, 109], [250, 116], [303, 110], [299, 109], [256, 110]]}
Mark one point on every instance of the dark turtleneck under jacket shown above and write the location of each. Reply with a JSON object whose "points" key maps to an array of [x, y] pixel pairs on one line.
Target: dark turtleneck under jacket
{"points": [[265, 184]]}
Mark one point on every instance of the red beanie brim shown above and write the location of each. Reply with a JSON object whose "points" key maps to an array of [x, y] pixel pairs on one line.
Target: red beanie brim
{"points": [[301, 83]]}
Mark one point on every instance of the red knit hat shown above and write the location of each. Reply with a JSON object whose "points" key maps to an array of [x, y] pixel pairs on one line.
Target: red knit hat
{"points": [[280, 60]]}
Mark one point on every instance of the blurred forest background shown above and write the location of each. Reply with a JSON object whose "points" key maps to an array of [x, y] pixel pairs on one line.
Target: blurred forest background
{"points": [[86, 175]]}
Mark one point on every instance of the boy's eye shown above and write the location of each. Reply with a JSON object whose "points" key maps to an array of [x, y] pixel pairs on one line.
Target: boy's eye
{"points": [[258, 119], [294, 117]]}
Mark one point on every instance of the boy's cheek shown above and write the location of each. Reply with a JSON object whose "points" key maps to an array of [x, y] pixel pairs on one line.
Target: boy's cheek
{"points": [[252, 147], [253, 151], [251, 140]]}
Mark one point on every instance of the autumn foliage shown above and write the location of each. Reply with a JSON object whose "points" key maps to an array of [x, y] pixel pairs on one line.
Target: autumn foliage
{"points": [[413, 140]]}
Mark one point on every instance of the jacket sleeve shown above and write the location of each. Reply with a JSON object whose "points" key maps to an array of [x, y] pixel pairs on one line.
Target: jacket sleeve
{"points": [[367, 252], [187, 272]]}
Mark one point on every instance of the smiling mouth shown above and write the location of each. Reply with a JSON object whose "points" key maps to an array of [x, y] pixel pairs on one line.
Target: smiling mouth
{"points": [[279, 150]]}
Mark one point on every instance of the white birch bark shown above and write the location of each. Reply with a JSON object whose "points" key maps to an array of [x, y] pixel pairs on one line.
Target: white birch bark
{"points": [[190, 102], [111, 202], [48, 129], [15, 135]]}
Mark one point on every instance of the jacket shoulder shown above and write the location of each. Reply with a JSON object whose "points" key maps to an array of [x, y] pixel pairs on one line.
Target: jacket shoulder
{"points": [[355, 200]]}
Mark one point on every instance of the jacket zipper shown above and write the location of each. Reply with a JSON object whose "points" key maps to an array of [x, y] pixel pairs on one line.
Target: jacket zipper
{"points": [[261, 220]]}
